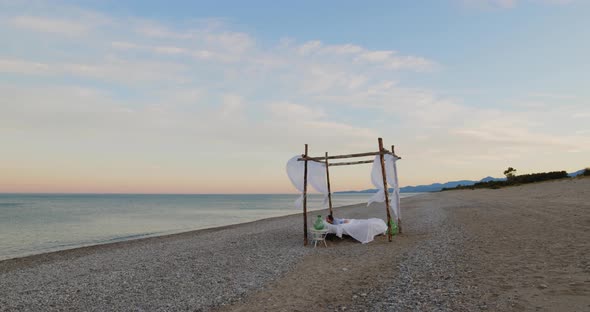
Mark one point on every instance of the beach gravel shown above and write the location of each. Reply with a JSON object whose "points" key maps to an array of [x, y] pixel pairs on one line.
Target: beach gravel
{"points": [[185, 272], [524, 248], [434, 275]]}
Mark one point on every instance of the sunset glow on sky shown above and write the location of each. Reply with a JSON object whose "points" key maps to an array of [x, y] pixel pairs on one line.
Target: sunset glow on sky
{"points": [[188, 97]]}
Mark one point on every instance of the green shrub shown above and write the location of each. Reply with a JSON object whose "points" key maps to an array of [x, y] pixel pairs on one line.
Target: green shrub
{"points": [[539, 177], [516, 180], [586, 172]]}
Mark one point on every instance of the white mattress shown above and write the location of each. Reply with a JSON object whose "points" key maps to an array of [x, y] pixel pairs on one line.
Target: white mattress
{"points": [[363, 230]]}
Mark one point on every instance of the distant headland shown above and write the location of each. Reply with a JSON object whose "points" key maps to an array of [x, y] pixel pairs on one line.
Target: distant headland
{"points": [[436, 187]]}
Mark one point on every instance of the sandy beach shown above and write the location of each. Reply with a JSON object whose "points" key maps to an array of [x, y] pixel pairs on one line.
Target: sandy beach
{"points": [[524, 248]]}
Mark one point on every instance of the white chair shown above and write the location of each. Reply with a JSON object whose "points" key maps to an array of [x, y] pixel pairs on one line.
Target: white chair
{"points": [[318, 236]]}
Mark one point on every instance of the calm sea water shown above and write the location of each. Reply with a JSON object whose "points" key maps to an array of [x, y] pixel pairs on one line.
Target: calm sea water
{"points": [[33, 224]]}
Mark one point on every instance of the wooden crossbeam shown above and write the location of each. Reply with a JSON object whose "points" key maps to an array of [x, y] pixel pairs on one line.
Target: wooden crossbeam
{"points": [[311, 159], [303, 157], [351, 163]]}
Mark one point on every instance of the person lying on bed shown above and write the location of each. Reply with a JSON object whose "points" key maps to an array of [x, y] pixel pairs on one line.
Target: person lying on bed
{"points": [[330, 219]]}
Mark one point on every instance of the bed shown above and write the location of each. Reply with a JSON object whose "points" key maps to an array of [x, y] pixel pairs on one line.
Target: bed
{"points": [[363, 230]]}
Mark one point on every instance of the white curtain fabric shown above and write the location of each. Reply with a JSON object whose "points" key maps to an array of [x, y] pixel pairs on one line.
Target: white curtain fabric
{"points": [[377, 180], [316, 176], [391, 173], [295, 172], [391, 176]]}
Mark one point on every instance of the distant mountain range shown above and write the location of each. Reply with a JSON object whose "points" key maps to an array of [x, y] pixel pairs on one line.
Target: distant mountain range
{"points": [[577, 173], [435, 187]]}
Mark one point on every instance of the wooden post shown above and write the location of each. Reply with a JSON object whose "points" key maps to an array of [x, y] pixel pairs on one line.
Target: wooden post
{"points": [[305, 200], [328, 181], [381, 156], [399, 220]]}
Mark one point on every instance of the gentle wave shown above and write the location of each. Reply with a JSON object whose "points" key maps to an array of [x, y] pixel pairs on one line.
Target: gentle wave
{"points": [[11, 204]]}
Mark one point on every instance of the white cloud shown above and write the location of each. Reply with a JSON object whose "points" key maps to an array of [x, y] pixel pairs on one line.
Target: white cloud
{"points": [[319, 79], [66, 21], [376, 56], [158, 31], [293, 122], [221, 47], [503, 3], [309, 47], [387, 59], [552, 96], [295, 111], [519, 136], [181, 87], [169, 50], [234, 41], [60, 110], [23, 67], [232, 105], [50, 25], [581, 115], [124, 45], [111, 69]]}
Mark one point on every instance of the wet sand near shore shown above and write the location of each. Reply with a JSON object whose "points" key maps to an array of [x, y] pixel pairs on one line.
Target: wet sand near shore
{"points": [[523, 248]]}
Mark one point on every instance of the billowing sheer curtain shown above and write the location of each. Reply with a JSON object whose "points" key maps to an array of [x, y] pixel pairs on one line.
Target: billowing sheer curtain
{"points": [[391, 173], [295, 172], [316, 176], [377, 180]]}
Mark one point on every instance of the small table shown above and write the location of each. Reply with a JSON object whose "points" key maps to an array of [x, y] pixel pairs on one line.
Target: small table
{"points": [[318, 236]]}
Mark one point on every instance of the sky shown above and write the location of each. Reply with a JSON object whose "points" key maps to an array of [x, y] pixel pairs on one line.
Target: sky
{"points": [[214, 97]]}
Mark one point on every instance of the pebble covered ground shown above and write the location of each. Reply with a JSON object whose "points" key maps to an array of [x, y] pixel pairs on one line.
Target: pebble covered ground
{"points": [[434, 275], [186, 272], [523, 248], [460, 251]]}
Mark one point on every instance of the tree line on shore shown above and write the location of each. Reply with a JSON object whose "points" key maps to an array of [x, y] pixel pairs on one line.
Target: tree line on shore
{"points": [[513, 179]]}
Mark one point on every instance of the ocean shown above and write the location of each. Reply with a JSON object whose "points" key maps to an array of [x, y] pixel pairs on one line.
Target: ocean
{"points": [[38, 223]]}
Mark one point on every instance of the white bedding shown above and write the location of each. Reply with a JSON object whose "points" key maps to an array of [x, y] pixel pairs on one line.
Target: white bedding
{"points": [[363, 230]]}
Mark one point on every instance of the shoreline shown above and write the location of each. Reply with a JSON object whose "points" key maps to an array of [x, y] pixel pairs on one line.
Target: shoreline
{"points": [[138, 237], [84, 250]]}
